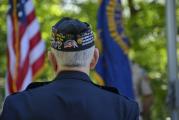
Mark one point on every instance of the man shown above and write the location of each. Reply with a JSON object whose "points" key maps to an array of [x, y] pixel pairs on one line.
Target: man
{"points": [[143, 91], [71, 95]]}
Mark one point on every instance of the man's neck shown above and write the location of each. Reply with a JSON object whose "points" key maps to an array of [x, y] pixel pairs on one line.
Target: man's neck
{"points": [[81, 69]]}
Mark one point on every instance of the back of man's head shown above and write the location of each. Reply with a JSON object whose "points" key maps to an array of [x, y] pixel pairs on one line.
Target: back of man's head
{"points": [[72, 42]]}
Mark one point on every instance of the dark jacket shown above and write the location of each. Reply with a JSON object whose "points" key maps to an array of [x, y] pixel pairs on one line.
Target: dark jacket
{"points": [[71, 96]]}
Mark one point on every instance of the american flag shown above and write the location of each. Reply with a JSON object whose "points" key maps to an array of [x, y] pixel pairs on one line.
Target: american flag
{"points": [[25, 48]]}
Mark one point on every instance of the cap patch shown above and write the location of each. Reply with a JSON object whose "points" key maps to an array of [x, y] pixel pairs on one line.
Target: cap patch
{"points": [[72, 42]]}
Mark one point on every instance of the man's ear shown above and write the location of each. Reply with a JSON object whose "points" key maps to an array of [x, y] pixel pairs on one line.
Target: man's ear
{"points": [[53, 60], [94, 59]]}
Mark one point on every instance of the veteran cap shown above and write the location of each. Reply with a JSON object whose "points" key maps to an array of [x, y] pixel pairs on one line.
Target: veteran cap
{"points": [[71, 35]]}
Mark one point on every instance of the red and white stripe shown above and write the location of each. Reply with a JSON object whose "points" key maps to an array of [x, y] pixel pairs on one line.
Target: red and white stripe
{"points": [[31, 51]]}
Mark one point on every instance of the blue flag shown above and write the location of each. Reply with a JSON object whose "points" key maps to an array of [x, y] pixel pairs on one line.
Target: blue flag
{"points": [[113, 66]]}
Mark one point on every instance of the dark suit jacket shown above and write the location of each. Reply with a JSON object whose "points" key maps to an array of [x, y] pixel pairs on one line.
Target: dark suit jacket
{"points": [[71, 96]]}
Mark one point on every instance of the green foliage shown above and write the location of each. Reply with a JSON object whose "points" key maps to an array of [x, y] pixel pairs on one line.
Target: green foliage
{"points": [[3, 9], [145, 29]]}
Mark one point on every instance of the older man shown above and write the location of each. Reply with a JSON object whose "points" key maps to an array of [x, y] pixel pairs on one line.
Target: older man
{"points": [[71, 95]]}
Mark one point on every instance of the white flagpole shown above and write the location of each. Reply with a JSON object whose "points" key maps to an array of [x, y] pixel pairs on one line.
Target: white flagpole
{"points": [[172, 57]]}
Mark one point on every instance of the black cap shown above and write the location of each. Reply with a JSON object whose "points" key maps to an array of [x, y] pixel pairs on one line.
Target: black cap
{"points": [[71, 35]]}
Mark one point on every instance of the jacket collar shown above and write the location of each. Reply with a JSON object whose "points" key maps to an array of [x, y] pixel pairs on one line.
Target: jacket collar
{"points": [[76, 75]]}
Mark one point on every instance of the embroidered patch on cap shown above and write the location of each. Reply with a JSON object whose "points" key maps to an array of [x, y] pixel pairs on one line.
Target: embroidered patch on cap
{"points": [[72, 42]]}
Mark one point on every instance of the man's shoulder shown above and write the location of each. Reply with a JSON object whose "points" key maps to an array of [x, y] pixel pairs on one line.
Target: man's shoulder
{"points": [[128, 100], [122, 103], [112, 92], [34, 85], [15, 99], [131, 108], [121, 99], [31, 88]]}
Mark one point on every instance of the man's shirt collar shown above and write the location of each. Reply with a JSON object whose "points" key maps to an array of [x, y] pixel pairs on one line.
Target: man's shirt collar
{"points": [[76, 75]]}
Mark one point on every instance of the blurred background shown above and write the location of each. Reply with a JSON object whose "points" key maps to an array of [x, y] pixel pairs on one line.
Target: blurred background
{"points": [[144, 25]]}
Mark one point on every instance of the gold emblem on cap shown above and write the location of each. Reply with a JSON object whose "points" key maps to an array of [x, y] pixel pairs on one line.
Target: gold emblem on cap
{"points": [[79, 41], [60, 37]]}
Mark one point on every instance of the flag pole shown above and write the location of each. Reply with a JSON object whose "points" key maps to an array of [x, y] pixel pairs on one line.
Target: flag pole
{"points": [[172, 57]]}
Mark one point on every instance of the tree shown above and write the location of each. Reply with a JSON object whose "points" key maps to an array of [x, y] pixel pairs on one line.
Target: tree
{"points": [[145, 28]]}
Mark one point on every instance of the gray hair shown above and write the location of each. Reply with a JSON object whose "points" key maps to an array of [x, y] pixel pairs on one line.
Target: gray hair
{"points": [[74, 59]]}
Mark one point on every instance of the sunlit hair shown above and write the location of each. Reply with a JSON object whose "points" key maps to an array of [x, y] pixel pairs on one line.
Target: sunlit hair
{"points": [[74, 59]]}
